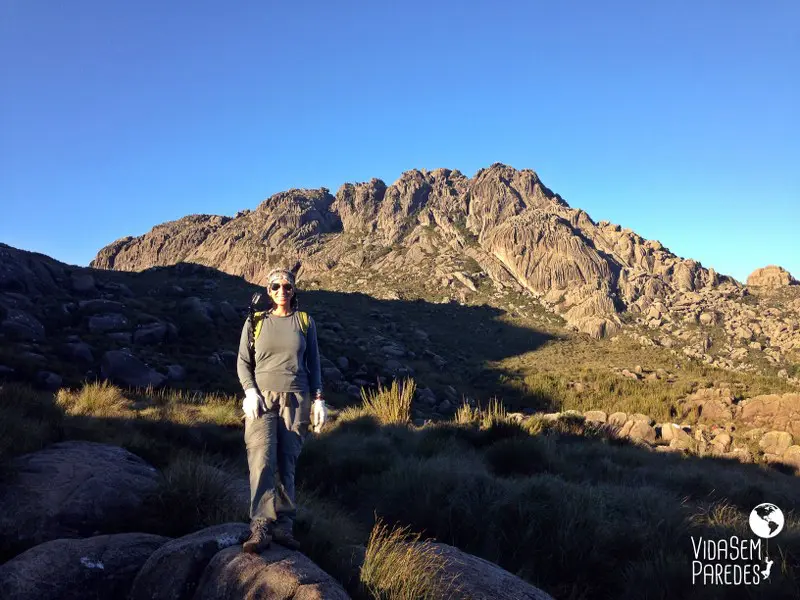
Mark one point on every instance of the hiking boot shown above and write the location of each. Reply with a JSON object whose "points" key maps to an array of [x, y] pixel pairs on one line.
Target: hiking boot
{"points": [[285, 538], [259, 539]]}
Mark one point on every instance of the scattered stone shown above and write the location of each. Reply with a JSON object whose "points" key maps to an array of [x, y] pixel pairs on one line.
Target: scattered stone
{"points": [[597, 416], [617, 418]]}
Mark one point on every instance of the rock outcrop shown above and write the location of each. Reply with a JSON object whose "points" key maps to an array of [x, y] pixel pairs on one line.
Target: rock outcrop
{"points": [[771, 276], [71, 490], [67, 569]]}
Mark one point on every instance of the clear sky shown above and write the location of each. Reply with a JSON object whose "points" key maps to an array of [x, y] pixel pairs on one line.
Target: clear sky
{"points": [[679, 119]]}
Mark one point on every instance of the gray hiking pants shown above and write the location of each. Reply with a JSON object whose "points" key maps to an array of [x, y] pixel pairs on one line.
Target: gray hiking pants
{"points": [[274, 441]]}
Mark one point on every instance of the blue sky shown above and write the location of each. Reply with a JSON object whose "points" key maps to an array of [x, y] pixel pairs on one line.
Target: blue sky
{"points": [[677, 119]]}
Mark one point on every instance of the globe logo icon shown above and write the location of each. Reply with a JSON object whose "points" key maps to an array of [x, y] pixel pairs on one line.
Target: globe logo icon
{"points": [[766, 520]]}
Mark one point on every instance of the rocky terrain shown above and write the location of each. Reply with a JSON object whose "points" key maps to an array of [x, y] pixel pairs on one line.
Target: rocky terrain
{"points": [[80, 502]]}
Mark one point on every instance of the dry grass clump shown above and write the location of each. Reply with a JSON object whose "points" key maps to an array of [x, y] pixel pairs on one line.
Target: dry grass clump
{"points": [[493, 414], [467, 415], [99, 399], [390, 405], [398, 566]]}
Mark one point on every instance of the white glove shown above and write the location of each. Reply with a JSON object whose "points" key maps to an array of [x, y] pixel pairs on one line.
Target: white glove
{"points": [[253, 403], [319, 414]]}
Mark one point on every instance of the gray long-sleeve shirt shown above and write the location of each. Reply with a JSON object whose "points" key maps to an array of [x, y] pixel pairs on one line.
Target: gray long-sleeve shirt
{"points": [[285, 359]]}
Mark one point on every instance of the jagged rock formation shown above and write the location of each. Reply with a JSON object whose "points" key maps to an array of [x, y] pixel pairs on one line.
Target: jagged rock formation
{"points": [[519, 232], [771, 276]]}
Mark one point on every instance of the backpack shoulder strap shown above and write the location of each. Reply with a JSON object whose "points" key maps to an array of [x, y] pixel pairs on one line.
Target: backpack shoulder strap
{"points": [[258, 321], [305, 321]]}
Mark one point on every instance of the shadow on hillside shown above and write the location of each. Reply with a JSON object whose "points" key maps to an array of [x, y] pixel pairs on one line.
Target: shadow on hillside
{"points": [[365, 330]]}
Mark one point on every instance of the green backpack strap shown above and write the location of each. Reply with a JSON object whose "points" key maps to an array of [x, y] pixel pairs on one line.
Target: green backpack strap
{"points": [[305, 320], [260, 317]]}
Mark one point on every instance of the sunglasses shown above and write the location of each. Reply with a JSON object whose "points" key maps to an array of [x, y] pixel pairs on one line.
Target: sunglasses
{"points": [[287, 287]]}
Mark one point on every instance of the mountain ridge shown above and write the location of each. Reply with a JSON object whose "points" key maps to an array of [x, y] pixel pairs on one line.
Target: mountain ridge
{"points": [[518, 231]]}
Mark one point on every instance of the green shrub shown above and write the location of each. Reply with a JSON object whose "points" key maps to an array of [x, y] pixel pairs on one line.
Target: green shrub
{"points": [[196, 491]]}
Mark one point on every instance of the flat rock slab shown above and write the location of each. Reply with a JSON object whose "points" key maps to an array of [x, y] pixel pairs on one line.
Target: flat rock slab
{"points": [[98, 567], [70, 490], [173, 571], [277, 574]]}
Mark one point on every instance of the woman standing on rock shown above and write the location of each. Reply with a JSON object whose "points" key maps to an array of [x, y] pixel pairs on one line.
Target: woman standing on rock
{"points": [[278, 368]]}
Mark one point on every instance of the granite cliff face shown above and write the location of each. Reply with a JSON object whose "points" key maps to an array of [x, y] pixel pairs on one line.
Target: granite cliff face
{"points": [[518, 231]]}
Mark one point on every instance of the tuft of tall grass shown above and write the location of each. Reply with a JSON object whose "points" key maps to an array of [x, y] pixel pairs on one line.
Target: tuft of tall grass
{"points": [[98, 399], [390, 405], [495, 413], [467, 415], [398, 565]]}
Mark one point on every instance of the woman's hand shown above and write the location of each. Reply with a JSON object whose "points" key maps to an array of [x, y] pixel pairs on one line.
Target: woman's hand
{"points": [[319, 414], [253, 403]]}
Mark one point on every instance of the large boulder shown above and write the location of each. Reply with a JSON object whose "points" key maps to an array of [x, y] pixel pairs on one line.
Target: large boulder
{"points": [[22, 326], [68, 490], [151, 333], [195, 309], [82, 282], [711, 404], [771, 276], [79, 352], [772, 411], [275, 573], [173, 571], [100, 305], [107, 322], [123, 368], [479, 579], [97, 567]]}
